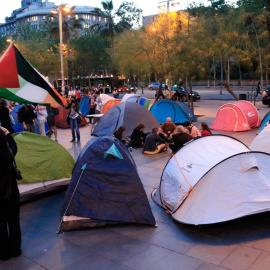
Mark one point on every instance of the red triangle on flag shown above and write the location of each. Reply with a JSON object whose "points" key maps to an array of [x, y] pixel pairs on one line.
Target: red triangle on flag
{"points": [[8, 70]]}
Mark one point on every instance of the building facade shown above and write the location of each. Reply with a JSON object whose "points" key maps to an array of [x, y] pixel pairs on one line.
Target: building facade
{"points": [[37, 12]]}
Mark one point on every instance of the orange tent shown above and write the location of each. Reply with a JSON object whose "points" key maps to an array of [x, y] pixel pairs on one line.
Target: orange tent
{"points": [[110, 104]]}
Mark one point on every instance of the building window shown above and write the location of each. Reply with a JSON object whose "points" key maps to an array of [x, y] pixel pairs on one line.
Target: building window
{"points": [[28, 19], [34, 19], [99, 18], [105, 19], [44, 17], [86, 17], [76, 16], [94, 18], [86, 25]]}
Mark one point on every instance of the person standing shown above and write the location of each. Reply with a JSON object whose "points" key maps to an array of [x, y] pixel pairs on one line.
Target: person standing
{"points": [[10, 232], [92, 101], [27, 117], [52, 112], [73, 107], [98, 103], [42, 118], [4, 116], [258, 88]]}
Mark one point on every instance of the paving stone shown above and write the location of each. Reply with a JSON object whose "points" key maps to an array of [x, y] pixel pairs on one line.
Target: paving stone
{"points": [[175, 261], [210, 266], [18, 263], [241, 258], [211, 252], [119, 248], [262, 262]]}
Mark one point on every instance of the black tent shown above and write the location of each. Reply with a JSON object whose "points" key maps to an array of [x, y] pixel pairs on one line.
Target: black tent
{"points": [[105, 188]]}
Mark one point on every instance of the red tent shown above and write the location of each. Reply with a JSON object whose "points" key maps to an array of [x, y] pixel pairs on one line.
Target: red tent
{"points": [[60, 119], [240, 116]]}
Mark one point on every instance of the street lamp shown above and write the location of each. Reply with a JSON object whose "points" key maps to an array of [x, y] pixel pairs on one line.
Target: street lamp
{"points": [[59, 10]]}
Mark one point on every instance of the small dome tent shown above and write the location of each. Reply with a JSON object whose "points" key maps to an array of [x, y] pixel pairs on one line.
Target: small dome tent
{"points": [[178, 111], [61, 118], [127, 114], [105, 188], [262, 141], [264, 122], [240, 116], [214, 179], [43, 162], [131, 98]]}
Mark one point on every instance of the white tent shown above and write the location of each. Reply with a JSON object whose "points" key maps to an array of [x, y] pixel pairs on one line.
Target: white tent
{"points": [[131, 98], [262, 141], [105, 98], [213, 179]]}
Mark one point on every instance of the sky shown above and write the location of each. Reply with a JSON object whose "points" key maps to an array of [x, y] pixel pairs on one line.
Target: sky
{"points": [[148, 6]]}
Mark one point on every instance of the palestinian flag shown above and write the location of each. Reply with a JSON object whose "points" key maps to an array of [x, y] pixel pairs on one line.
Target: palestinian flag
{"points": [[20, 82]]}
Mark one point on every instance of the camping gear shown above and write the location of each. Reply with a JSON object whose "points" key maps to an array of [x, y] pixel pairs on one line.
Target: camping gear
{"points": [[179, 112], [105, 188], [145, 102], [61, 118], [127, 114], [214, 179], [262, 141], [44, 163], [131, 98], [264, 122], [22, 83], [239, 116]]}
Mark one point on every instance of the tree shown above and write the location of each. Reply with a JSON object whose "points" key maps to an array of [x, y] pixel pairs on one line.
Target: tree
{"points": [[124, 18]]}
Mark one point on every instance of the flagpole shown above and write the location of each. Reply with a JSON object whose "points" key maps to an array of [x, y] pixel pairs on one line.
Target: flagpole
{"points": [[61, 49]]}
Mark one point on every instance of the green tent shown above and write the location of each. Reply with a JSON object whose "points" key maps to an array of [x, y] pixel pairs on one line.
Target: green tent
{"points": [[43, 162]]}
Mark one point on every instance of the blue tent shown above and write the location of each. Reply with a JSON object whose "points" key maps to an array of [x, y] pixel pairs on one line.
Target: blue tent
{"points": [[264, 122], [105, 188], [127, 114], [84, 106], [178, 111]]}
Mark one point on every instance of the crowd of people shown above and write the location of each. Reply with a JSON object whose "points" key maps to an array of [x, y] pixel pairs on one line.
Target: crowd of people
{"points": [[167, 135]]}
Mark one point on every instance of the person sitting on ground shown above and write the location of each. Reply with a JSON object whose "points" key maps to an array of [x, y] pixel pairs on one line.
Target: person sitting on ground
{"points": [[119, 134], [138, 136], [179, 137], [191, 130], [154, 143], [166, 129], [205, 129]]}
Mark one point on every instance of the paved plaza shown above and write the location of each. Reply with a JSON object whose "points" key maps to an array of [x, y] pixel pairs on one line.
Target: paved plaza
{"points": [[240, 244]]}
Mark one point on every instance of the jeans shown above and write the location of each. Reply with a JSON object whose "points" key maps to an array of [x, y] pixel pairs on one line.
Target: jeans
{"points": [[74, 127]]}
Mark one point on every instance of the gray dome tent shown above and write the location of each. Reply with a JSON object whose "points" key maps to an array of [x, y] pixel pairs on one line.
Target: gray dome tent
{"points": [[214, 179], [105, 188], [127, 114]]}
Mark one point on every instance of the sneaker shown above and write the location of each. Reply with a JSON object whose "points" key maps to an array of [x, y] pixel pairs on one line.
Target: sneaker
{"points": [[72, 140], [78, 141]]}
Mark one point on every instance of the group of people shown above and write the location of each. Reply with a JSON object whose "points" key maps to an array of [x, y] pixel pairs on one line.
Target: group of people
{"points": [[168, 134]]}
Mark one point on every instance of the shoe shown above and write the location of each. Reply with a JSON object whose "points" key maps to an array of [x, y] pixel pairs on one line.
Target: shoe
{"points": [[56, 140], [72, 140], [16, 253], [78, 141]]}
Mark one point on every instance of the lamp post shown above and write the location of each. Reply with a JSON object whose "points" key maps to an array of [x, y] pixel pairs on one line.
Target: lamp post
{"points": [[168, 21], [59, 10]]}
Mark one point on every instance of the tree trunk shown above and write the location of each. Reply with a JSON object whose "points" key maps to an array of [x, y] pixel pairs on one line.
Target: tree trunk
{"points": [[191, 97], [266, 73], [240, 74], [230, 91]]}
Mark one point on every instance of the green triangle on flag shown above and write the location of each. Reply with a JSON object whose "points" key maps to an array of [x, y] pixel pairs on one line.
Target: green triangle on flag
{"points": [[113, 150]]}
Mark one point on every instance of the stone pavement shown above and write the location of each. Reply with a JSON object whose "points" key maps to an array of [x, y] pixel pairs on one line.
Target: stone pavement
{"points": [[240, 244]]}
